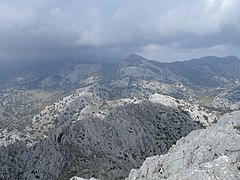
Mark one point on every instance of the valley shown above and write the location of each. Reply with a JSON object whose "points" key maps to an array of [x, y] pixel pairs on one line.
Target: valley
{"points": [[72, 118]]}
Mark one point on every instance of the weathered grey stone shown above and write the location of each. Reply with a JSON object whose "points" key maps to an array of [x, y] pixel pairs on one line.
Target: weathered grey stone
{"points": [[220, 168], [212, 153], [103, 148]]}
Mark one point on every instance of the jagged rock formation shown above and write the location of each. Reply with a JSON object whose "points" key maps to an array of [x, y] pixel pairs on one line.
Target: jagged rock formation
{"points": [[90, 102], [212, 153], [103, 148]]}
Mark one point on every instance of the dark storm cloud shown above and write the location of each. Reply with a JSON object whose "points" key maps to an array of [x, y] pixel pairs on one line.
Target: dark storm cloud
{"points": [[161, 29]]}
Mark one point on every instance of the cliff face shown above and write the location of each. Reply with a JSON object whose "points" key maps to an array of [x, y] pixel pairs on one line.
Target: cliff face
{"points": [[212, 153], [103, 148]]}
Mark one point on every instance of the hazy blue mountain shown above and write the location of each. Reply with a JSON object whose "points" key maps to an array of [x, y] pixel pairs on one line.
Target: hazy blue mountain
{"points": [[208, 71]]}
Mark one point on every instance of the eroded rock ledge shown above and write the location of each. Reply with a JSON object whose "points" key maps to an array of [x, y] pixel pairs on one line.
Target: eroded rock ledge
{"points": [[212, 153]]}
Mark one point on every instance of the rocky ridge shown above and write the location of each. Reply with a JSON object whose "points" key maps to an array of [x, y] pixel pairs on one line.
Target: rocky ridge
{"points": [[212, 153], [87, 102], [103, 148], [196, 112]]}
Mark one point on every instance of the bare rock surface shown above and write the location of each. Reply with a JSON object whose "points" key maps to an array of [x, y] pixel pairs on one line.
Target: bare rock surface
{"points": [[105, 148], [212, 153]]}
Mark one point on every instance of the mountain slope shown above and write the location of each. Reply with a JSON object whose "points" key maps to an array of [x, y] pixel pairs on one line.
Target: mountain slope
{"points": [[39, 102], [101, 120], [104, 148], [212, 153], [208, 71]]}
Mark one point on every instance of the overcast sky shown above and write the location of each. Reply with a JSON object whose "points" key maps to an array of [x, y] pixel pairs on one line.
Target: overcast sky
{"points": [[164, 30]]}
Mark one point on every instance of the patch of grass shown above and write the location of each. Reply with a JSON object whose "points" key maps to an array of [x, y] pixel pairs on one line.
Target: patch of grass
{"points": [[106, 106]]}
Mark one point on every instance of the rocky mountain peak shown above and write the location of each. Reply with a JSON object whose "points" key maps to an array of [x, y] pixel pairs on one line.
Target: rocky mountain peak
{"points": [[134, 58]]}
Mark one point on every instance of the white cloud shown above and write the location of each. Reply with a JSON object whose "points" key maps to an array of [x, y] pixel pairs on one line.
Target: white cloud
{"points": [[170, 53], [44, 25]]}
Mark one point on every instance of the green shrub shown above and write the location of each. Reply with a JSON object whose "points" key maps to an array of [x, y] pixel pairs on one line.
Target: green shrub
{"points": [[237, 127]]}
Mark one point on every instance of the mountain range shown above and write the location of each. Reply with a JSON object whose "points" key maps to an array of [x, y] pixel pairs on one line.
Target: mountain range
{"points": [[61, 119]]}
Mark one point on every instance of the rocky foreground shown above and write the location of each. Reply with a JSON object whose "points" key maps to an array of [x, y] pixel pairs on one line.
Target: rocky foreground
{"points": [[207, 154], [108, 148], [212, 153], [105, 148]]}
